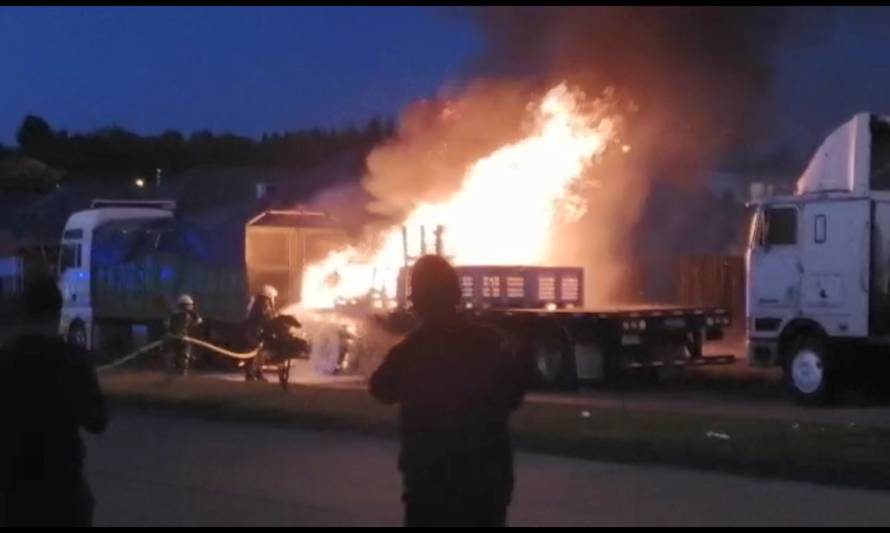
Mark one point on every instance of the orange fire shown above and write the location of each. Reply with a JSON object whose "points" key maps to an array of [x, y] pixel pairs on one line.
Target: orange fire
{"points": [[504, 212]]}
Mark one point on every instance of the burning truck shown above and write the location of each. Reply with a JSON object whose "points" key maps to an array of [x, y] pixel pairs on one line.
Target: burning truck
{"points": [[501, 228], [541, 313]]}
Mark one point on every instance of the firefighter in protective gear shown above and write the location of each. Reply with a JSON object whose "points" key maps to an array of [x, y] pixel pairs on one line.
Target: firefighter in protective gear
{"points": [[182, 322], [259, 316]]}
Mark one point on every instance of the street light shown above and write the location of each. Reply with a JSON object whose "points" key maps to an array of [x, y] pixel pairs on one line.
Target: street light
{"points": [[140, 183]]}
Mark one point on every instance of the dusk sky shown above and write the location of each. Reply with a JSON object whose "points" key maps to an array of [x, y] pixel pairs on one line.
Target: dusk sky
{"points": [[246, 70], [252, 70]]}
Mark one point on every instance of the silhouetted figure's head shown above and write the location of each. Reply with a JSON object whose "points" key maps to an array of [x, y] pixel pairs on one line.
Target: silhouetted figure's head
{"points": [[435, 289], [41, 301]]}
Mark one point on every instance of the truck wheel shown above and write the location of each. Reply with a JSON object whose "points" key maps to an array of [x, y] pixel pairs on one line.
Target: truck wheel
{"points": [[809, 374], [77, 334], [552, 361]]}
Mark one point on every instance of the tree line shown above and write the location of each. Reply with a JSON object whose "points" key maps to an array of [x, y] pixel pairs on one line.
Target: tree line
{"points": [[45, 155]]}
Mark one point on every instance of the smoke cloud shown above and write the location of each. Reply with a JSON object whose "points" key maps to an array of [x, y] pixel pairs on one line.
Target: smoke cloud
{"points": [[692, 85]]}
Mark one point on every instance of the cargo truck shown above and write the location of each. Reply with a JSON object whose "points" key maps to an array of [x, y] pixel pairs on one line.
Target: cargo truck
{"points": [[123, 263]]}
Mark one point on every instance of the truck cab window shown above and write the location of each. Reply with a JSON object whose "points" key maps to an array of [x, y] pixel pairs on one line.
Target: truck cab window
{"points": [[781, 226], [73, 234], [69, 257], [820, 233]]}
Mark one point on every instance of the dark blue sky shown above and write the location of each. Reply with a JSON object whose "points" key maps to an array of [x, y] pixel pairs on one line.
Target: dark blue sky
{"points": [[845, 71], [250, 70], [246, 70]]}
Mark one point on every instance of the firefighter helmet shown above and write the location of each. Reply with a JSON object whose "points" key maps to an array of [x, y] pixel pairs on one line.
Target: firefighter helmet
{"points": [[185, 300], [268, 291]]}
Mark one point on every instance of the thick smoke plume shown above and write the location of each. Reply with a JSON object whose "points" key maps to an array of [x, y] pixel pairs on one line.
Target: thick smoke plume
{"points": [[700, 75], [701, 79], [692, 85]]}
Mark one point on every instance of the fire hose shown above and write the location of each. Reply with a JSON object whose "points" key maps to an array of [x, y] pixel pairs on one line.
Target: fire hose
{"points": [[145, 349], [222, 351], [156, 344]]}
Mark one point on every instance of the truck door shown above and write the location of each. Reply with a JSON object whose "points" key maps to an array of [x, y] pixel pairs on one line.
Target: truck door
{"points": [[774, 268], [835, 246], [73, 269]]}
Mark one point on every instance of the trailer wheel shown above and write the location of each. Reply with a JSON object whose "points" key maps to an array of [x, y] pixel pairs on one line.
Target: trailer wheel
{"points": [[809, 372], [552, 360], [77, 334]]}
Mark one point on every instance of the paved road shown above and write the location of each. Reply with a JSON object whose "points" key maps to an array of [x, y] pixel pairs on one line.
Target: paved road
{"points": [[159, 471]]}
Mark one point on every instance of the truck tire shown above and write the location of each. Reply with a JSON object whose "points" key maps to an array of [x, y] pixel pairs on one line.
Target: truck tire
{"points": [[809, 373], [553, 364], [77, 334]]}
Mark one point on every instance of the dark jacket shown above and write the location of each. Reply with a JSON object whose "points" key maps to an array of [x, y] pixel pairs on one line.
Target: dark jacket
{"points": [[181, 322], [49, 391], [259, 316], [456, 385]]}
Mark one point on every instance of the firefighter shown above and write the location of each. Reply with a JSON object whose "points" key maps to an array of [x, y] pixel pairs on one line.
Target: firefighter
{"points": [[180, 323], [259, 316]]}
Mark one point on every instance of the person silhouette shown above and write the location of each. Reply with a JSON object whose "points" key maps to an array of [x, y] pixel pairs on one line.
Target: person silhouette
{"points": [[456, 384], [49, 391]]}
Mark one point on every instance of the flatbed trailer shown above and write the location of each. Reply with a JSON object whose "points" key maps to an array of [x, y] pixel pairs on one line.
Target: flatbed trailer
{"points": [[540, 313]]}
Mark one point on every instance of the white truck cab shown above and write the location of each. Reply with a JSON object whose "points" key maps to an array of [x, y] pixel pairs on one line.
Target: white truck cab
{"points": [[818, 262], [75, 257]]}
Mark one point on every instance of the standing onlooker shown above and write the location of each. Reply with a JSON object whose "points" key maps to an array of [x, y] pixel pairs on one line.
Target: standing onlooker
{"points": [[456, 386], [48, 391]]}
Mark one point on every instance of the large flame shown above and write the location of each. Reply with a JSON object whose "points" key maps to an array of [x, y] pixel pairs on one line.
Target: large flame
{"points": [[505, 211]]}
